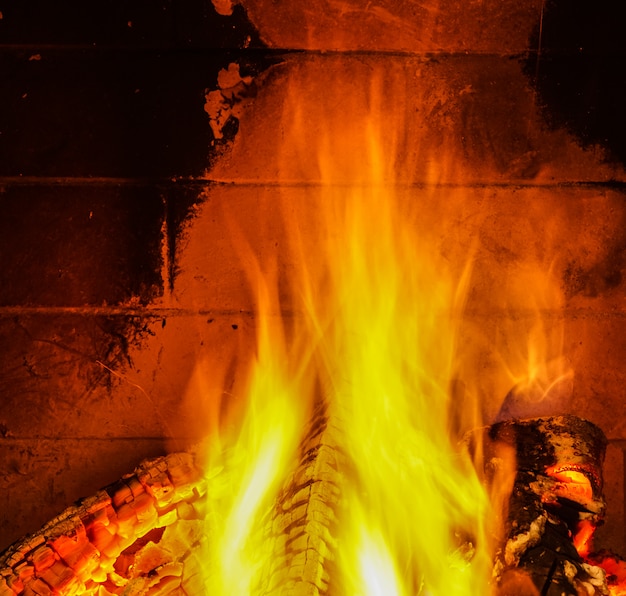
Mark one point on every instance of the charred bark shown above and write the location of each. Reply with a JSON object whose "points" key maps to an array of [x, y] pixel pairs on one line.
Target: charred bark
{"points": [[557, 494], [93, 545], [302, 524], [119, 540]]}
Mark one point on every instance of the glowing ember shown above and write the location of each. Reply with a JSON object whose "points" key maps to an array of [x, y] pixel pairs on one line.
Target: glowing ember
{"points": [[583, 537], [572, 483]]}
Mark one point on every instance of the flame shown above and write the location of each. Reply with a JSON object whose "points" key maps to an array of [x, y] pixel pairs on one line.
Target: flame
{"points": [[379, 300], [382, 309], [388, 349], [537, 370], [575, 485], [247, 461]]}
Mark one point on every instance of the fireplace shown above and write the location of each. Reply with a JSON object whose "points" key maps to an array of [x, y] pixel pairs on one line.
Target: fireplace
{"points": [[152, 159]]}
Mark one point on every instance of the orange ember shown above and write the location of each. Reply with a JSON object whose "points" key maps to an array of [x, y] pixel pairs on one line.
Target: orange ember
{"points": [[583, 538], [572, 483]]}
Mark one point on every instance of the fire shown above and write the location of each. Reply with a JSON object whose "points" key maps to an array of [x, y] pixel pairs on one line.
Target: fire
{"points": [[388, 348], [344, 462], [245, 464], [378, 312], [573, 483], [371, 314], [583, 538]]}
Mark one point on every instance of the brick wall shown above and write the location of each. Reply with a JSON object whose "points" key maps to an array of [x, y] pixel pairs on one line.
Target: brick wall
{"points": [[103, 132], [135, 136]]}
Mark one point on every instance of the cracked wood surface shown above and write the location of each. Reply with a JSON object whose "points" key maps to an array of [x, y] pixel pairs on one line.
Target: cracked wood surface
{"points": [[113, 542]]}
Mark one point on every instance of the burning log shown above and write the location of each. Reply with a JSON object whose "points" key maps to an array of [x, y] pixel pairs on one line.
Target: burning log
{"points": [[145, 534], [92, 546], [555, 505], [301, 525]]}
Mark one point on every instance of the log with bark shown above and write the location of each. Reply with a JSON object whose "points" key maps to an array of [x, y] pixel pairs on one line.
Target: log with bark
{"points": [[145, 535], [555, 504]]}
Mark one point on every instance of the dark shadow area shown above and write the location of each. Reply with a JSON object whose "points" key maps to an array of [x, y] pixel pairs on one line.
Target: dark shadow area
{"points": [[578, 72]]}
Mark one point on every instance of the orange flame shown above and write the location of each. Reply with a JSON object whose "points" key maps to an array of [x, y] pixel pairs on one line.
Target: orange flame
{"points": [[379, 298], [583, 538], [378, 312]]}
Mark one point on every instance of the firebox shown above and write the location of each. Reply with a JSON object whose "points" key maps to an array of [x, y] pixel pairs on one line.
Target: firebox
{"points": [[358, 260]]}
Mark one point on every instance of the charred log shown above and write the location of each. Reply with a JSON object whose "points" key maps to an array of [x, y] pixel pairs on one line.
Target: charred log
{"points": [[302, 524], [555, 505], [95, 546], [143, 534]]}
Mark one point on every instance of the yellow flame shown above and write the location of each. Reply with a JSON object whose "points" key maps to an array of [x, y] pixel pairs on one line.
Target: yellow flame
{"points": [[377, 573], [247, 462], [379, 305], [386, 314]]}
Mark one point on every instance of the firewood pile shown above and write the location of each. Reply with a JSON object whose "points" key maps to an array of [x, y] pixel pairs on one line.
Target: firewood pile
{"points": [[143, 534]]}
